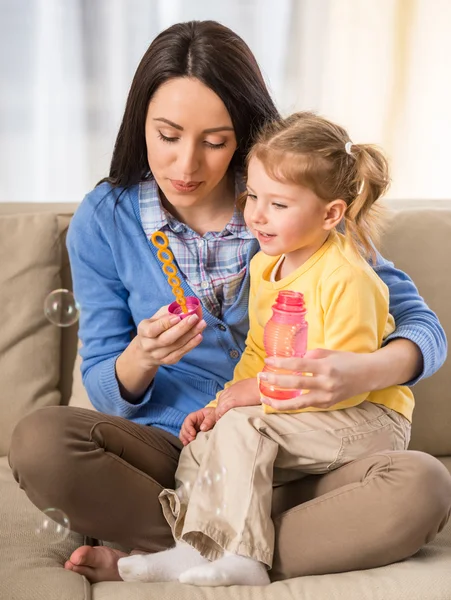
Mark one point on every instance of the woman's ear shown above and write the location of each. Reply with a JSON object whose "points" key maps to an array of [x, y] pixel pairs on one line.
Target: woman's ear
{"points": [[334, 213]]}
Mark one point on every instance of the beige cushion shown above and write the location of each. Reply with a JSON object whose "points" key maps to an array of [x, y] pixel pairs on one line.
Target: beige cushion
{"points": [[419, 242], [63, 212], [29, 569], [69, 335], [30, 252], [79, 396]]}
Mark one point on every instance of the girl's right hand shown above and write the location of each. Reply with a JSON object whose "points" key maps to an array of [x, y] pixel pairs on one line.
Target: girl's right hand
{"points": [[200, 420], [164, 339]]}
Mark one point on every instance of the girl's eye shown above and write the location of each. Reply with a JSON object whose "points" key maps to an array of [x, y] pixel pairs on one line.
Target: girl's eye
{"points": [[164, 138], [277, 205], [251, 196]]}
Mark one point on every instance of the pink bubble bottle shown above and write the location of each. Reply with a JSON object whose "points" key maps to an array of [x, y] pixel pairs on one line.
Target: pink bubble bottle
{"points": [[285, 335]]}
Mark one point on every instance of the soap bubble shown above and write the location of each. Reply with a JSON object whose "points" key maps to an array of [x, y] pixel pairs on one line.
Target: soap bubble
{"points": [[220, 476], [61, 308], [183, 492], [204, 480], [220, 510], [53, 526], [208, 478]]}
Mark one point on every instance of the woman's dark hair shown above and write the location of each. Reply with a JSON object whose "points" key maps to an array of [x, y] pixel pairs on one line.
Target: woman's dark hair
{"points": [[216, 56]]}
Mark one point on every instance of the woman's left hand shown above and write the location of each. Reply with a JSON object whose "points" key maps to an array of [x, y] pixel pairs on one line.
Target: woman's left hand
{"points": [[333, 376]]}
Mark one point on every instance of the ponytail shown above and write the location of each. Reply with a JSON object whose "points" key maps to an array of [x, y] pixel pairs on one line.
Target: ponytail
{"points": [[363, 218]]}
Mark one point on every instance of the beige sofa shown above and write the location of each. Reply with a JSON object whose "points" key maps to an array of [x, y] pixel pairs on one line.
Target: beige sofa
{"points": [[36, 365]]}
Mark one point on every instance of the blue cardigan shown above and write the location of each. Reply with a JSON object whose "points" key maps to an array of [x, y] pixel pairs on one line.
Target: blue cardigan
{"points": [[118, 282]]}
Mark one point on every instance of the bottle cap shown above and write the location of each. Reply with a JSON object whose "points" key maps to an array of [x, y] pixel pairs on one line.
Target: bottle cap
{"points": [[290, 302]]}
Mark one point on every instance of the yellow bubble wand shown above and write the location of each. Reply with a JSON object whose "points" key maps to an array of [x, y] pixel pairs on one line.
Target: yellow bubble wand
{"points": [[160, 241]]}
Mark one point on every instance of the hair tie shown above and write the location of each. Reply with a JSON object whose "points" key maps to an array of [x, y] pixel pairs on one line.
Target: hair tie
{"points": [[348, 147]]}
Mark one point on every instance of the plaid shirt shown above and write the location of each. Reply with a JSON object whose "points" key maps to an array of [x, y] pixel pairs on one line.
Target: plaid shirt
{"points": [[213, 264]]}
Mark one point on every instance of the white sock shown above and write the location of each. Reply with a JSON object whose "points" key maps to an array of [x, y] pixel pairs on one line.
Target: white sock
{"points": [[160, 566], [231, 569]]}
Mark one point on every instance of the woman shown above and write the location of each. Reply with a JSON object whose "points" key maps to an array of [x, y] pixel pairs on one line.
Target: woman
{"points": [[195, 104]]}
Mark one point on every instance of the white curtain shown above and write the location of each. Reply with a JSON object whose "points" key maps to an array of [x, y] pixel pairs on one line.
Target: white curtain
{"points": [[382, 69], [379, 67]]}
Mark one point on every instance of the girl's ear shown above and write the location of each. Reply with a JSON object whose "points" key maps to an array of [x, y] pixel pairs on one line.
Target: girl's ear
{"points": [[334, 213]]}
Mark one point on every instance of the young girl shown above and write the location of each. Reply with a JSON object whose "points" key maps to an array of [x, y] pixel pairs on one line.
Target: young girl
{"points": [[306, 182]]}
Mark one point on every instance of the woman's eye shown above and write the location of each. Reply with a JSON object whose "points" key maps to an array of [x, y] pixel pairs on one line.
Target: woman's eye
{"points": [[215, 146], [171, 140], [251, 196], [167, 139]]}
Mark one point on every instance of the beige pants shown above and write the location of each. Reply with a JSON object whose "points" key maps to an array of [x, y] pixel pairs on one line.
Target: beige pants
{"points": [[228, 473]]}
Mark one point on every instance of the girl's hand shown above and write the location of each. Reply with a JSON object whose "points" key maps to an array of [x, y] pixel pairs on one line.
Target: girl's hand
{"points": [[164, 339], [242, 393], [333, 376], [200, 420]]}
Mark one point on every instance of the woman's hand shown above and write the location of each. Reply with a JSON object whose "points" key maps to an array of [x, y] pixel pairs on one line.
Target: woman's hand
{"points": [[164, 339], [161, 340], [333, 376], [200, 420], [242, 393]]}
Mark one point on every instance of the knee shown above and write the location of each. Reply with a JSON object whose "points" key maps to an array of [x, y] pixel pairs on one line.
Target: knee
{"points": [[37, 442], [426, 493], [238, 415]]}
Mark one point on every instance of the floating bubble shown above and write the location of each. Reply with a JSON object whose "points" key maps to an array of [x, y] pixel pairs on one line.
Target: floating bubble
{"points": [[61, 308], [208, 478], [204, 480], [53, 526], [220, 475], [183, 492], [220, 510]]}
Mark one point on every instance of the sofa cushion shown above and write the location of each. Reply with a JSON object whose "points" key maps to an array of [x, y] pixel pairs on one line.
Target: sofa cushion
{"points": [[30, 569], [30, 252], [63, 212], [418, 240], [79, 397], [69, 335]]}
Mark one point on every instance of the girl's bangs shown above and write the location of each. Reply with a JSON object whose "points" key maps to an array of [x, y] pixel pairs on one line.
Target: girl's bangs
{"points": [[294, 168]]}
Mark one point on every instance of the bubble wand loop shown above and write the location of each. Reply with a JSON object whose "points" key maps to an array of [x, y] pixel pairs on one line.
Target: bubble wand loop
{"points": [[160, 241]]}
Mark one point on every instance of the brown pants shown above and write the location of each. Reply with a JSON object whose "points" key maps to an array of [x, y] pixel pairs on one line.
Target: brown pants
{"points": [[106, 474]]}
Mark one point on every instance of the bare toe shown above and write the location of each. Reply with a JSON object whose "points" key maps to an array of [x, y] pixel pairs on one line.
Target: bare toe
{"points": [[96, 563]]}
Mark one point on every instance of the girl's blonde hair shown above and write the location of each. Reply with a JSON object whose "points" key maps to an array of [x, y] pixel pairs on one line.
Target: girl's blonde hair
{"points": [[308, 150]]}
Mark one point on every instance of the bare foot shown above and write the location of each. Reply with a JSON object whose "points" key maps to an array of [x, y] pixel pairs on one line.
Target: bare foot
{"points": [[96, 563]]}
